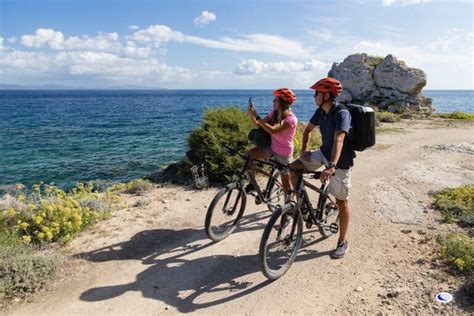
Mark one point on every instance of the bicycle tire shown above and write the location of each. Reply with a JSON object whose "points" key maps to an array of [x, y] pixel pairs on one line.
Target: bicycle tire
{"points": [[227, 192], [272, 225]]}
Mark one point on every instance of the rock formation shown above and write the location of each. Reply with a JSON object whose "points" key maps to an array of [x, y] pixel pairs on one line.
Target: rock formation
{"points": [[383, 82]]}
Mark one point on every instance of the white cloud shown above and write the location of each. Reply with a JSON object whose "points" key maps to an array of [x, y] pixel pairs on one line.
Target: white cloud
{"points": [[403, 2], [132, 50], [87, 64], [263, 43], [455, 41], [106, 42], [255, 67], [206, 17], [157, 34], [322, 34], [11, 40], [133, 27], [44, 37], [1, 43]]}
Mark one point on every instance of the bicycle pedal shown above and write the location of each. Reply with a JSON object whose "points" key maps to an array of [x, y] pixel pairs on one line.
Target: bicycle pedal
{"points": [[334, 228], [309, 225]]}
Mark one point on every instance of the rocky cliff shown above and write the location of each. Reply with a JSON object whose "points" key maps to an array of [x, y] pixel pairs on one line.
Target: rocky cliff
{"points": [[383, 82]]}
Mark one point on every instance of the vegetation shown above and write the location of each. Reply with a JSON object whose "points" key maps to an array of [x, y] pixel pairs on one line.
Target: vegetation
{"points": [[375, 61], [457, 115], [137, 187], [458, 248], [456, 203], [386, 117], [22, 269], [315, 141], [48, 214], [221, 126]]}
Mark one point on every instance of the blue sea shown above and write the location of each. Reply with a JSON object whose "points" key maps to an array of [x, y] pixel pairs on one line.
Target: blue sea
{"points": [[80, 135]]}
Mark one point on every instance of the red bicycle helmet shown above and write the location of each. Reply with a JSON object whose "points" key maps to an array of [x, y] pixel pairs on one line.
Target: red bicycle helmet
{"points": [[328, 84], [285, 94]]}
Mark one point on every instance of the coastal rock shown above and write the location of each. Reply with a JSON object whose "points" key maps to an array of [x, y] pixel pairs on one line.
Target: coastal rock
{"points": [[383, 82]]}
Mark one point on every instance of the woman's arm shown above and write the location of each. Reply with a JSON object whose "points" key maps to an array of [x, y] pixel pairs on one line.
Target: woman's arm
{"points": [[266, 119], [273, 129]]}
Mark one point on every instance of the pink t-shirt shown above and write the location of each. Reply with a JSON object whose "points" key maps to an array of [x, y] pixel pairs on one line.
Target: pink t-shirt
{"points": [[282, 142]]}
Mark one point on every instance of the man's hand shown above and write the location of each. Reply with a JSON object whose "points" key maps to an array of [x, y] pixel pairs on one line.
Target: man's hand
{"points": [[326, 174]]}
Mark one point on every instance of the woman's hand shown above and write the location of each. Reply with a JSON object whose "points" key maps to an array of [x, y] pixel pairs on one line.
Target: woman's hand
{"points": [[251, 111]]}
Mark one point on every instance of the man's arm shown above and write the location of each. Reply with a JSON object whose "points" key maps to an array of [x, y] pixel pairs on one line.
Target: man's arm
{"points": [[337, 146], [307, 136]]}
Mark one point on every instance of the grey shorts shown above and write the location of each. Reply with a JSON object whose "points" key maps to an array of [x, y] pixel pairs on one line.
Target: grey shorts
{"points": [[281, 159], [340, 182]]}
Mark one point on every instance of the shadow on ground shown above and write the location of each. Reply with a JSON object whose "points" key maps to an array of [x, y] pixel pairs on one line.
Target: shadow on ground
{"points": [[176, 279]]}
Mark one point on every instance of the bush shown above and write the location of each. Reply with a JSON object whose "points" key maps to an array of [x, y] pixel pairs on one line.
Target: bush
{"points": [[48, 214], [407, 116], [457, 115], [22, 270], [228, 125], [387, 117], [458, 249], [375, 61], [456, 203], [138, 187], [314, 143]]}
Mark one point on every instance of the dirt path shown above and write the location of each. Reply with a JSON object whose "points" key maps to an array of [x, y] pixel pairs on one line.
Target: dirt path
{"points": [[156, 259]]}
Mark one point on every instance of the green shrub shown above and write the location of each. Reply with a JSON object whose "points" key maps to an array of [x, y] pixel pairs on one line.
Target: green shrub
{"points": [[22, 269], [48, 214], [456, 203], [375, 61], [138, 186], [457, 115], [227, 125], [458, 249], [386, 117], [314, 143], [407, 116]]}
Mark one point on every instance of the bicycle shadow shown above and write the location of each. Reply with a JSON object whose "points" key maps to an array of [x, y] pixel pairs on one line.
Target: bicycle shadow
{"points": [[177, 275]]}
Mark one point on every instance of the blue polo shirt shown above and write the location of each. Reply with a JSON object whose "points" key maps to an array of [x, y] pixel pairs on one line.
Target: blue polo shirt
{"points": [[338, 119]]}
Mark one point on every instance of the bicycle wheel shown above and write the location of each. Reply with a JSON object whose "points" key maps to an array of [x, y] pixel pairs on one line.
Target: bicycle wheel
{"points": [[225, 212], [280, 242], [330, 220]]}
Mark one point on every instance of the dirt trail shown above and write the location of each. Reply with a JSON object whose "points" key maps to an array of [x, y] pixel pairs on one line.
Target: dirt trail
{"points": [[156, 259]]}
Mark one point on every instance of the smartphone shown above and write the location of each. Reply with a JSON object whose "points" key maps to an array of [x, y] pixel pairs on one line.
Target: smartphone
{"points": [[250, 103]]}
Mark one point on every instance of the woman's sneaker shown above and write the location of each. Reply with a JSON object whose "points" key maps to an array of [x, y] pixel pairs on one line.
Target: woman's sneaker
{"points": [[341, 249]]}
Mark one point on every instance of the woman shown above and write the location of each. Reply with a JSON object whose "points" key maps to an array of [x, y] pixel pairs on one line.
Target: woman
{"points": [[281, 125]]}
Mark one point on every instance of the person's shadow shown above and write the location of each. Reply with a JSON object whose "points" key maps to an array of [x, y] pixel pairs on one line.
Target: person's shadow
{"points": [[185, 283]]}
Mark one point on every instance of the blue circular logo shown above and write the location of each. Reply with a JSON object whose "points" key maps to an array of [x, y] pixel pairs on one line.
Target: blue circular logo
{"points": [[444, 297]]}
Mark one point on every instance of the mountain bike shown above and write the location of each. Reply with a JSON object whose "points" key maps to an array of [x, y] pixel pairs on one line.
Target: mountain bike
{"points": [[282, 236], [228, 206]]}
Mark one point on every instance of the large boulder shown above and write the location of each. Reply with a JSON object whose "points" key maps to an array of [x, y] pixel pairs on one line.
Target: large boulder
{"points": [[384, 82]]}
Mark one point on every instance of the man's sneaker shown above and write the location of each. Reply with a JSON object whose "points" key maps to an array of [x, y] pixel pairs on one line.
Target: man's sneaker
{"points": [[341, 249]]}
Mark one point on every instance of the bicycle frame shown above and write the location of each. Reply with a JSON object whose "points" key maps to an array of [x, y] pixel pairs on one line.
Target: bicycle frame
{"points": [[316, 214], [272, 179]]}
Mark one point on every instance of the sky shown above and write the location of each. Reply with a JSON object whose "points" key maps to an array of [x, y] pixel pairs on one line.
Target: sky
{"points": [[259, 44]]}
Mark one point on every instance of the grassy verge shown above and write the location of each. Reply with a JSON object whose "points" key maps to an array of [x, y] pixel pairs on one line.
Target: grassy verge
{"points": [[457, 115], [457, 248], [23, 269], [37, 217]]}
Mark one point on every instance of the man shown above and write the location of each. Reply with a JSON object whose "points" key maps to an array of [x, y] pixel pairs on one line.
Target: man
{"points": [[335, 153]]}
